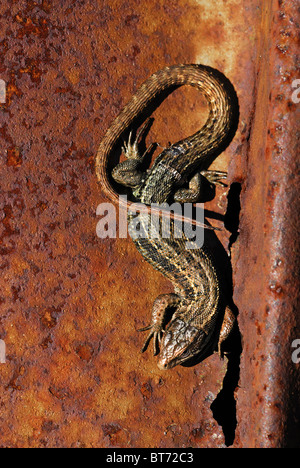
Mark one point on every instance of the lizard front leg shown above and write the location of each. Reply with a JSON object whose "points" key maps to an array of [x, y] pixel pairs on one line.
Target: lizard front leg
{"points": [[160, 308]]}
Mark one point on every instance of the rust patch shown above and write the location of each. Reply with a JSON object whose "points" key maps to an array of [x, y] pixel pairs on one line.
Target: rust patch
{"points": [[70, 302], [14, 157], [270, 216]]}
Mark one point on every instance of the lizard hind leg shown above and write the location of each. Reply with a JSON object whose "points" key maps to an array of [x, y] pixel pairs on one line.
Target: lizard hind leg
{"points": [[226, 329], [128, 172], [190, 194], [161, 306], [194, 192], [214, 177], [130, 149]]}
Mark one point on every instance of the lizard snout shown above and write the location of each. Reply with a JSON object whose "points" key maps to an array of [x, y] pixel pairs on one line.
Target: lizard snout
{"points": [[176, 344]]}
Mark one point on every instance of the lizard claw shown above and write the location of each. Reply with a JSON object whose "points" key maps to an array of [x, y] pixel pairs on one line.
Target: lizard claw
{"points": [[130, 148], [214, 177], [155, 333], [156, 327]]}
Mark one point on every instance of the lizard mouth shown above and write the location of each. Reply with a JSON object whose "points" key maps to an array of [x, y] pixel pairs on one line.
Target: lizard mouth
{"points": [[181, 345], [165, 364]]}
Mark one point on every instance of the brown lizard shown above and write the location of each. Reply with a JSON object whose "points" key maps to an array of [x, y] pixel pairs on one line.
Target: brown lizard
{"points": [[202, 317]]}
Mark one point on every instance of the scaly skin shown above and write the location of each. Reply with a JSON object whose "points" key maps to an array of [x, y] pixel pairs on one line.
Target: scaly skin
{"points": [[202, 318]]}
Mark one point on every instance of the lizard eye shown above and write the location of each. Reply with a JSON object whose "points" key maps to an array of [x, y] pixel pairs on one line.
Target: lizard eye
{"points": [[177, 344]]}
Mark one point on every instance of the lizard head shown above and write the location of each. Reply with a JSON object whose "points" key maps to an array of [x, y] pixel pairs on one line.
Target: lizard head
{"points": [[182, 344]]}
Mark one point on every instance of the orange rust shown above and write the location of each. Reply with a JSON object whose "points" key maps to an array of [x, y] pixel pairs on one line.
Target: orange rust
{"points": [[70, 303]]}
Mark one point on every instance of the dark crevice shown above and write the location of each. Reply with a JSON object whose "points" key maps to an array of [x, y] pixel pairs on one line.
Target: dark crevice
{"points": [[224, 406], [231, 218]]}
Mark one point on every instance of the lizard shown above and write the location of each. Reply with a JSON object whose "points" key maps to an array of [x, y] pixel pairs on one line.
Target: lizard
{"points": [[201, 314]]}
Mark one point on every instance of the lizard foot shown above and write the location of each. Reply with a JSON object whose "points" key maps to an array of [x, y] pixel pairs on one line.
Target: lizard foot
{"points": [[128, 172], [130, 148], [155, 333], [214, 177], [195, 191], [160, 309]]}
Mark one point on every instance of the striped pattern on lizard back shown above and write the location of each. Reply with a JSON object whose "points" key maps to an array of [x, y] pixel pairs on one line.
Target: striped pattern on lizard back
{"points": [[192, 272]]}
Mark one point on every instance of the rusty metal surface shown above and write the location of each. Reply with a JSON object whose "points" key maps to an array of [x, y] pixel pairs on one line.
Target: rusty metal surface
{"points": [[70, 303], [267, 258]]}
